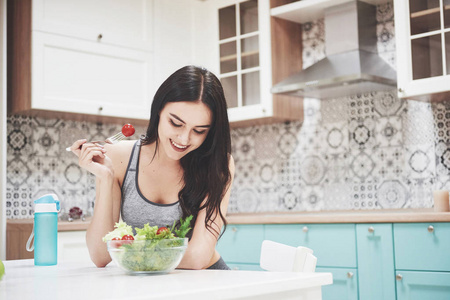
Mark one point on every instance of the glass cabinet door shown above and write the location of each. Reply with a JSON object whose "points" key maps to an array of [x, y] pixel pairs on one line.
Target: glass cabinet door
{"points": [[239, 53], [430, 37]]}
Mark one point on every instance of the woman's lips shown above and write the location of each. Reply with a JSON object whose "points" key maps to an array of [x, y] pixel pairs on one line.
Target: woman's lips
{"points": [[178, 147]]}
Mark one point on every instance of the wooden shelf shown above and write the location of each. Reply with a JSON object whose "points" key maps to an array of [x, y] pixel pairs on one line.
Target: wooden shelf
{"points": [[310, 10], [428, 12], [234, 56]]}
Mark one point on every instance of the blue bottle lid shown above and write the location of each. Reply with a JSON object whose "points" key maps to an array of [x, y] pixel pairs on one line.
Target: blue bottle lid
{"points": [[47, 203]]}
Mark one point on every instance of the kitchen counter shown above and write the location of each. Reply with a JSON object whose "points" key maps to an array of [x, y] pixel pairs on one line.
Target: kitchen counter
{"points": [[68, 281], [360, 216], [62, 225], [348, 216]]}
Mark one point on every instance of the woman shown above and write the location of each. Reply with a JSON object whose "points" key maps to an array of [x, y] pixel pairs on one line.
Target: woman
{"points": [[181, 167]]}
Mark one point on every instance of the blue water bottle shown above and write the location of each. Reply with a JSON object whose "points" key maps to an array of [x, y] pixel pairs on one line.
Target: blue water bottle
{"points": [[45, 231]]}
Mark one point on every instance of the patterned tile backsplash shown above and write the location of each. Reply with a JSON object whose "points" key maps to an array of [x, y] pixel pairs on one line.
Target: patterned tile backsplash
{"points": [[369, 151], [37, 163]]}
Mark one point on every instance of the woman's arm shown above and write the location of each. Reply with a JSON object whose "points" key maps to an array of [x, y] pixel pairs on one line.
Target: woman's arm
{"points": [[107, 201], [201, 251], [106, 214]]}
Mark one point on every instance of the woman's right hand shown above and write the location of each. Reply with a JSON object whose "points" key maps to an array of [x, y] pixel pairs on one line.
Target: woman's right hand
{"points": [[93, 158]]}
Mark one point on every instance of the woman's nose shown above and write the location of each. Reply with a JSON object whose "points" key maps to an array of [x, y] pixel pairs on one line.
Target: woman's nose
{"points": [[184, 137]]}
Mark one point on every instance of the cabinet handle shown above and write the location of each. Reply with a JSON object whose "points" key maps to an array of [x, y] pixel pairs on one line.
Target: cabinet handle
{"points": [[371, 229], [400, 90], [234, 229], [99, 37], [430, 228], [399, 277], [305, 229], [349, 274], [100, 108]]}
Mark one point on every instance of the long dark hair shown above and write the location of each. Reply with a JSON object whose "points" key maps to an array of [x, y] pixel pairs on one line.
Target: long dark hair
{"points": [[206, 169]]}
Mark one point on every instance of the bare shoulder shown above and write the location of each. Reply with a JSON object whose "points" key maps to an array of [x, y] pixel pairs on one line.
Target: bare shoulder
{"points": [[120, 155]]}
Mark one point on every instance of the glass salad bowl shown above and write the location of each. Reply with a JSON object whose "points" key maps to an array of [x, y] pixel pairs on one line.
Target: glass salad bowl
{"points": [[157, 256]]}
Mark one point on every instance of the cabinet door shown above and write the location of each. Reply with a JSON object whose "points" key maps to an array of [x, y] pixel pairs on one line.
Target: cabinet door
{"points": [[72, 246], [423, 285], [241, 244], [423, 47], [244, 57], [345, 284], [77, 76], [123, 23], [431, 246], [375, 261], [334, 245]]}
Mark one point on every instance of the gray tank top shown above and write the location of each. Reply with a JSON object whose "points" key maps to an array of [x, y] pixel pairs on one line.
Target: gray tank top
{"points": [[136, 210]]}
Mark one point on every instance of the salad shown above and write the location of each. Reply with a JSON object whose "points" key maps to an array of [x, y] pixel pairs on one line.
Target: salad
{"points": [[151, 249]]}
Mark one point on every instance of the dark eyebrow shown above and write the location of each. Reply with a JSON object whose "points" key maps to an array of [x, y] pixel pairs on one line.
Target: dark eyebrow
{"points": [[179, 119]]}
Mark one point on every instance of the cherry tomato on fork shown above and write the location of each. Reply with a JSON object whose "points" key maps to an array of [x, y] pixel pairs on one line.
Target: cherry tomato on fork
{"points": [[128, 130]]}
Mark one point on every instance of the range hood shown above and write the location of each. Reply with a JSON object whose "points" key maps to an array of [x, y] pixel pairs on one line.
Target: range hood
{"points": [[352, 64]]}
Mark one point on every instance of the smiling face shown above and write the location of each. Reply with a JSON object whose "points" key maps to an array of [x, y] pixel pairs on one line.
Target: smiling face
{"points": [[183, 127]]}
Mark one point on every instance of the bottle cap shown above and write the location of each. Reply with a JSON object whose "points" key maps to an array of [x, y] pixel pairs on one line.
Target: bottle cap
{"points": [[47, 203]]}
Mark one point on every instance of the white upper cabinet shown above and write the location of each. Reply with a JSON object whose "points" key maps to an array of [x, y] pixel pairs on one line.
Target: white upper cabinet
{"points": [[244, 55], [82, 59], [422, 32], [244, 62], [78, 76], [116, 22]]}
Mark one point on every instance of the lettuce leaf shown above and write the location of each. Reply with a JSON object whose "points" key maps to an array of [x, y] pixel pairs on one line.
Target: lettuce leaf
{"points": [[121, 229]]}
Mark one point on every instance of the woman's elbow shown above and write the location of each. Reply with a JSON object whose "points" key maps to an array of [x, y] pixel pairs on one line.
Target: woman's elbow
{"points": [[100, 260]]}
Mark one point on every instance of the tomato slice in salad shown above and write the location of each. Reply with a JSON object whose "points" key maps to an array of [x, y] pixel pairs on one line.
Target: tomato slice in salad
{"points": [[162, 230]]}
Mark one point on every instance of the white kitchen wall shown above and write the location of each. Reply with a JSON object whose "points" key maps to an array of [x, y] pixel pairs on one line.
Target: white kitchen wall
{"points": [[370, 151]]}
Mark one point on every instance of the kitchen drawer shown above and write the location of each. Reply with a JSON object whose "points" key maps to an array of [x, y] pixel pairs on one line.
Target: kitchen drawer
{"points": [[422, 246], [245, 267], [241, 243], [334, 245], [345, 284], [423, 285]]}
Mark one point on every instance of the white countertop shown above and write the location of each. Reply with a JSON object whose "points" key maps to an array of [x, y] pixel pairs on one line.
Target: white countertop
{"points": [[23, 280]]}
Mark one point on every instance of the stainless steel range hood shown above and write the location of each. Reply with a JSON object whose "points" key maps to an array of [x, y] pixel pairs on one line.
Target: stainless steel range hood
{"points": [[352, 64]]}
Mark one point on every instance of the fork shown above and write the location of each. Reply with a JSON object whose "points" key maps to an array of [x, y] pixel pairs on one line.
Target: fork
{"points": [[111, 140]]}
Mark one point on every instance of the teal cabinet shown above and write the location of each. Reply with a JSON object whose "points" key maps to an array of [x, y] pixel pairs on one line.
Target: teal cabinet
{"points": [[422, 260], [401, 261], [334, 245], [422, 246], [241, 244], [345, 284], [375, 261], [423, 285]]}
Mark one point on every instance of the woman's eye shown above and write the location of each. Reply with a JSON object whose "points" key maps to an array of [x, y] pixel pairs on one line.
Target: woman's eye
{"points": [[199, 132], [174, 124]]}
